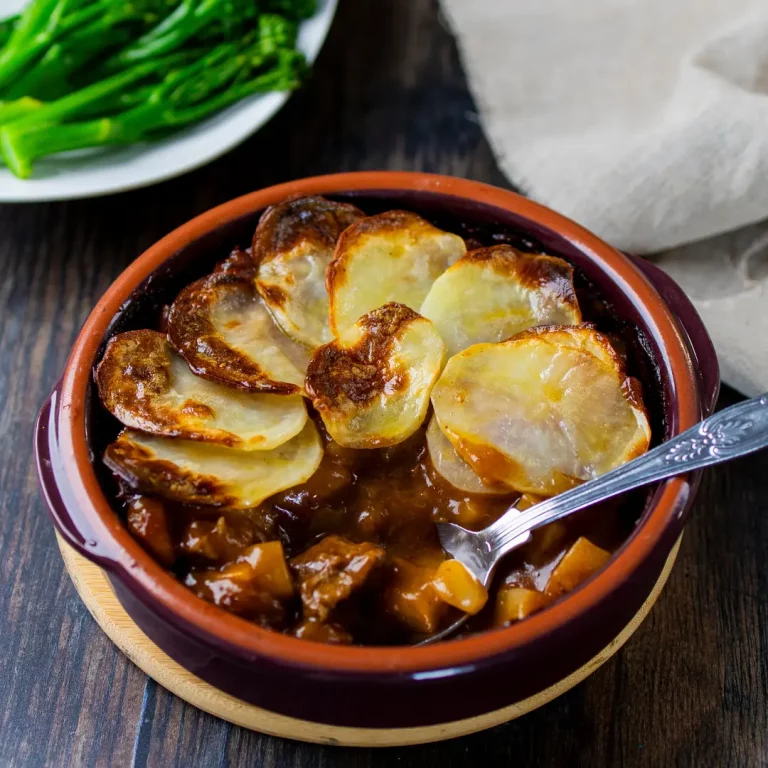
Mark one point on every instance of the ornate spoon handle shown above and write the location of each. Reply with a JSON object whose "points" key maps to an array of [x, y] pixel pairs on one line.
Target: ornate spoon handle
{"points": [[726, 435]]}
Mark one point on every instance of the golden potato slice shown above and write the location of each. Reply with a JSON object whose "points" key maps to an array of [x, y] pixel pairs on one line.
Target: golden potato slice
{"points": [[451, 467], [371, 386], [394, 256], [147, 386], [201, 473], [494, 293], [293, 245], [222, 328], [538, 412]]}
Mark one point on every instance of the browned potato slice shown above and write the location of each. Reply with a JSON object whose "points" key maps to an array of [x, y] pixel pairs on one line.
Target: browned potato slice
{"points": [[201, 473], [459, 588], [539, 412], [293, 245], [576, 566], [222, 328], [514, 603], [371, 387], [450, 466], [147, 386], [491, 294], [394, 256]]}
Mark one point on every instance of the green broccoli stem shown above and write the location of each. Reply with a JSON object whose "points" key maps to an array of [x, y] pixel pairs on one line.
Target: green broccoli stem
{"points": [[189, 18], [14, 110], [6, 29], [21, 146], [66, 20], [50, 77], [91, 96], [30, 36]]}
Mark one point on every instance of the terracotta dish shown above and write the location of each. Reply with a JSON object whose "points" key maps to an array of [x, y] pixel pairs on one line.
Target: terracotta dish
{"points": [[381, 687]]}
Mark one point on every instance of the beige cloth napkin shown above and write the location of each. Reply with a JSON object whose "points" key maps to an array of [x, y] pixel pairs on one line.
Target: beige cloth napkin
{"points": [[647, 122]]}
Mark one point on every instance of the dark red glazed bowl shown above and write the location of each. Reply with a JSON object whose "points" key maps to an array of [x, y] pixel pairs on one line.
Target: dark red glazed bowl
{"points": [[381, 687]]}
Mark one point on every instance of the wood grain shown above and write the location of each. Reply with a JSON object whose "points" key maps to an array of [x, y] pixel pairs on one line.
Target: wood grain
{"points": [[689, 689]]}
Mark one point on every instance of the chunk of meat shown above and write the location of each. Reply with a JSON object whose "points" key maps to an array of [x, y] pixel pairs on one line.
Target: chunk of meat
{"points": [[254, 586], [576, 566], [322, 632], [515, 603], [411, 597], [330, 571], [459, 588], [218, 541], [148, 521]]}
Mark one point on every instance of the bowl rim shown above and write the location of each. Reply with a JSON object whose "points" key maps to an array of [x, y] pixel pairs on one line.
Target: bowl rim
{"points": [[136, 569]]}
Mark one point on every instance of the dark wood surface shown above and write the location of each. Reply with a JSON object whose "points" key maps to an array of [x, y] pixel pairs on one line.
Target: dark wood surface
{"points": [[689, 688]]}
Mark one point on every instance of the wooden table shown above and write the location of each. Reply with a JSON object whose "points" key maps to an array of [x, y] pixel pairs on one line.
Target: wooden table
{"points": [[388, 92]]}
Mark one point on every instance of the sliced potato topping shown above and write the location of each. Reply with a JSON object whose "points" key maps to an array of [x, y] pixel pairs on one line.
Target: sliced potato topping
{"points": [[451, 467], [201, 473], [540, 413], [222, 328], [459, 588], [394, 256], [371, 386], [491, 294], [292, 247], [147, 386]]}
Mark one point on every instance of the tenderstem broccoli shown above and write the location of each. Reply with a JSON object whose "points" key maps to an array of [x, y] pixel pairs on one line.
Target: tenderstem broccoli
{"points": [[188, 92], [89, 73]]}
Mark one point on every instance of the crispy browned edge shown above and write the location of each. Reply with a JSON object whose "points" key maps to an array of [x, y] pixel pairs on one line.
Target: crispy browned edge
{"points": [[131, 357], [213, 359], [535, 271], [143, 358], [301, 219], [339, 377], [388, 221], [136, 466]]}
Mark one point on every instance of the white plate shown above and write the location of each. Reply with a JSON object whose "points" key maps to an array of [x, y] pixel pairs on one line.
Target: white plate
{"points": [[118, 169]]}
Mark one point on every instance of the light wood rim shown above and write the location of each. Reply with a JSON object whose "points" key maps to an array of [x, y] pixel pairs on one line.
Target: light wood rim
{"points": [[98, 596]]}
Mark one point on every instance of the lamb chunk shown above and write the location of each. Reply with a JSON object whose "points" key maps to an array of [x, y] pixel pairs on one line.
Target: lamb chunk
{"points": [[255, 586], [330, 571]]}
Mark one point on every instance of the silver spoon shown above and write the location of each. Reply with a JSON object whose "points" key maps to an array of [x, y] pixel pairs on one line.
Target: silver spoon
{"points": [[728, 434]]}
